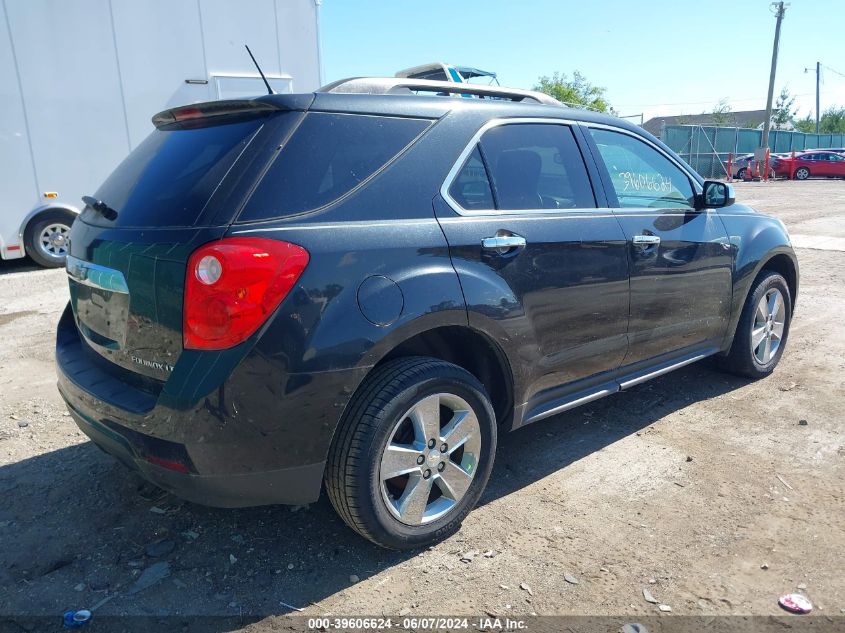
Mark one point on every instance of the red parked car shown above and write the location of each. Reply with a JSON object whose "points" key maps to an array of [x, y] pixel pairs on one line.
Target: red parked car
{"points": [[812, 163]]}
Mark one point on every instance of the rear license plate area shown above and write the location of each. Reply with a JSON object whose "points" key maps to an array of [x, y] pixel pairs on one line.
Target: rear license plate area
{"points": [[100, 300]]}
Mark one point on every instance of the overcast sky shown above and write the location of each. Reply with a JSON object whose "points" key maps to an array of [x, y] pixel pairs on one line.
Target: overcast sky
{"points": [[658, 57]]}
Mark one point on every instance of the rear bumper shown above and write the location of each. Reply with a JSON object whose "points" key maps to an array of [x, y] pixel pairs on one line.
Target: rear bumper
{"points": [[237, 445], [296, 485]]}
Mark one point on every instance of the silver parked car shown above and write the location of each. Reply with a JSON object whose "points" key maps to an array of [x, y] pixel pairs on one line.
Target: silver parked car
{"points": [[741, 164]]}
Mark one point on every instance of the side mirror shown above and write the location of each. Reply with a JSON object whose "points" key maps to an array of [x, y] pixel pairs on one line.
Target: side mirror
{"points": [[716, 195]]}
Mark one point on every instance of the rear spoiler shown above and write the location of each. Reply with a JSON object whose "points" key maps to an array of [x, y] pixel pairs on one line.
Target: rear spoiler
{"points": [[232, 107]]}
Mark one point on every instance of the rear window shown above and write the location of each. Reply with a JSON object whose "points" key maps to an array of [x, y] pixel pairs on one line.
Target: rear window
{"points": [[328, 156], [167, 180]]}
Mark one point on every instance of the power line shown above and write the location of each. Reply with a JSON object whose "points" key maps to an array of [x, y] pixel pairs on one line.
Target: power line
{"points": [[833, 70]]}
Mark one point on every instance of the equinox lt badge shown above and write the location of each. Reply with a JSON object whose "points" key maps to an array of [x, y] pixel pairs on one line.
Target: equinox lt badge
{"points": [[152, 364]]}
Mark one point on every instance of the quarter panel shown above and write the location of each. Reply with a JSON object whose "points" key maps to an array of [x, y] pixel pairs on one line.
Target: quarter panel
{"points": [[321, 326], [319, 335]]}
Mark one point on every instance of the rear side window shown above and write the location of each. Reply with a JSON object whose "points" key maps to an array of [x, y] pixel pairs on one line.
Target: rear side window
{"points": [[167, 180], [524, 166], [536, 166], [327, 157]]}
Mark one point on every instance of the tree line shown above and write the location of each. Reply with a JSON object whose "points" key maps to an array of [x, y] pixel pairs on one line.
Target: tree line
{"points": [[579, 92]]}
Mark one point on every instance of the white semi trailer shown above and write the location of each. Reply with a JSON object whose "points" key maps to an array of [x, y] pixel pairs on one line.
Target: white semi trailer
{"points": [[80, 79]]}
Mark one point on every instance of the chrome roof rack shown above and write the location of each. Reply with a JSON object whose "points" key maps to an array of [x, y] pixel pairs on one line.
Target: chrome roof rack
{"points": [[403, 85]]}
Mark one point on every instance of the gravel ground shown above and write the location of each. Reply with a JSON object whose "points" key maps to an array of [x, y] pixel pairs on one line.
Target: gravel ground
{"points": [[812, 207], [713, 493]]}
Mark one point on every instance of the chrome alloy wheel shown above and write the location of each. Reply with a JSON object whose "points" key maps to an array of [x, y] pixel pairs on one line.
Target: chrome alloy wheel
{"points": [[53, 240], [430, 459], [767, 329]]}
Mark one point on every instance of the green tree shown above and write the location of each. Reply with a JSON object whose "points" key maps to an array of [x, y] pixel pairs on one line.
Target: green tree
{"points": [[806, 125], [784, 110], [576, 92], [832, 121], [722, 113]]}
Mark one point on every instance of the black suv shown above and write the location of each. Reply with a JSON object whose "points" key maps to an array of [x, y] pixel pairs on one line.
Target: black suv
{"points": [[364, 286]]}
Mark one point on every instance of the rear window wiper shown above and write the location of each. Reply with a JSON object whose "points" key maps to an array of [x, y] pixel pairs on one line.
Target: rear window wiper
{"points": [[100, 207]]}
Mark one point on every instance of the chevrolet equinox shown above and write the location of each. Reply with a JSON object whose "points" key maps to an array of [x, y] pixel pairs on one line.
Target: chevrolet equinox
{"points": [[360, 288]]}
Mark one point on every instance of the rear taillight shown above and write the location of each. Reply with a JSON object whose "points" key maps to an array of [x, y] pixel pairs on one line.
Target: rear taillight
{"points": [[233, 285]]}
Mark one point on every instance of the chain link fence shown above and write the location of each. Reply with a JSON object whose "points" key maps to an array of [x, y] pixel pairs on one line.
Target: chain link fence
{"points": [[706, 148]]}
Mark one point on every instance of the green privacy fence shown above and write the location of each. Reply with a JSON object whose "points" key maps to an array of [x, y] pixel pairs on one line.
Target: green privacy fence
{"points": [[706, 148]]}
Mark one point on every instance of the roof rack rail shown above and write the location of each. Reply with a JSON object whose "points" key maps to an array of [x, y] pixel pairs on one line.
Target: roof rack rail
{"points": [[403, 85]]}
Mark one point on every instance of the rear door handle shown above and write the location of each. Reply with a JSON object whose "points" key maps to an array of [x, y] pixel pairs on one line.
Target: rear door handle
{"points": [[644, 241], [503, 242]]}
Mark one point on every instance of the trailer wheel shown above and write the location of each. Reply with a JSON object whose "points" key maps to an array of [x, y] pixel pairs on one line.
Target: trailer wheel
{"points": [[46, 237]]}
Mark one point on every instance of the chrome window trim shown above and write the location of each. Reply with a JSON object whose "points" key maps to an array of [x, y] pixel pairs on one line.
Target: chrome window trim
{"points": [[470, 147], [696, 187]]}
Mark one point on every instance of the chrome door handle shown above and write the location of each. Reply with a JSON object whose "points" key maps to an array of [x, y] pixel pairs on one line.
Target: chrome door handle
{"points": [[500, 242], [645, 240]]}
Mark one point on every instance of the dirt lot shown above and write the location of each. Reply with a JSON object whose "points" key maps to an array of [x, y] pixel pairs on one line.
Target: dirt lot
{"points": [[812, 207], [714, 493]]}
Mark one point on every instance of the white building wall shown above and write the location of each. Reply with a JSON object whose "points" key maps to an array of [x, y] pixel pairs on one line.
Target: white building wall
{"points": [[93, 72], [298, 22], [71, 90], [227, 26], [17, 173], [159, 45]]}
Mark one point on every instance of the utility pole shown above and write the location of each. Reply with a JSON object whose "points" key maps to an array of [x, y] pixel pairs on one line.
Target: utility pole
{"points": [[818, 80], [818, 74], [780, 9]]}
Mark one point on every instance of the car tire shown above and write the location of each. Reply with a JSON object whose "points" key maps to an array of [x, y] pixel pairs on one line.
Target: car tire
{"points": [[45, 237], [383, 431], [741, 174], [764, 322], [802, 173]]}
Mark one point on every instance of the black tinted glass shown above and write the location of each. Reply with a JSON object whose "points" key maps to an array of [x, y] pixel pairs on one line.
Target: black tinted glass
{"points": [[471, 187], [328, 156], [169, 177], [537, 166]]}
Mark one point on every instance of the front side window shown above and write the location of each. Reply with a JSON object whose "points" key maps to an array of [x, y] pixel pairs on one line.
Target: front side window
{"points": [[642, 176]]}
